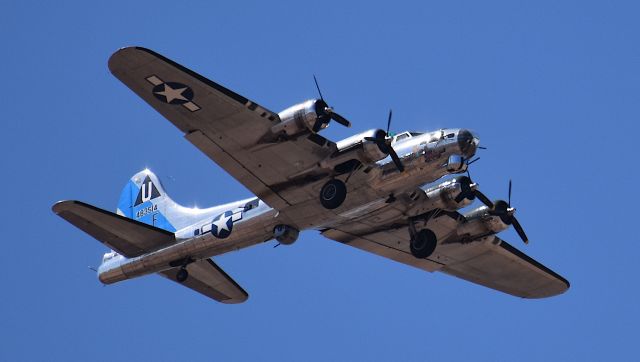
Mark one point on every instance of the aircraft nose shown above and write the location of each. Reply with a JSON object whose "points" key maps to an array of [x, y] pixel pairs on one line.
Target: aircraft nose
{"points": [[467, 142]]}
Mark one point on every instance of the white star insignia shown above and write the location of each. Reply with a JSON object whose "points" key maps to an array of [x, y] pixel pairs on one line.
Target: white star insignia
{"points": [[221, 223], [172, 94]]}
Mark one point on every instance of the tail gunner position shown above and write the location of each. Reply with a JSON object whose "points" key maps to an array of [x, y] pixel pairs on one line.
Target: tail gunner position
{"points": [[367, 191]]}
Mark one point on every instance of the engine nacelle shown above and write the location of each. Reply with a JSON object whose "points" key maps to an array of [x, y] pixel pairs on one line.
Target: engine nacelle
{"points": [[479, 221], [441, 196], [300, 118], [285, 234], [357, 148]]}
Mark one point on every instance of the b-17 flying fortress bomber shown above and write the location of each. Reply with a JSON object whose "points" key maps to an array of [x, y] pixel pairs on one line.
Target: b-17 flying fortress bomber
{"points": [[367, 191]]}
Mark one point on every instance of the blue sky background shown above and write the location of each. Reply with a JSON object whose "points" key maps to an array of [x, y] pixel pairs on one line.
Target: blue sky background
{"points": [[551, 87]]}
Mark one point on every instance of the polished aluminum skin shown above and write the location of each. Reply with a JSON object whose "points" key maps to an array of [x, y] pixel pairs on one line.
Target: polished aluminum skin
{"points": [[257, 225], [373, 191]]}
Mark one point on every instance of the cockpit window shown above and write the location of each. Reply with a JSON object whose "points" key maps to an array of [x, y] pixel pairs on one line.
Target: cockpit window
{"points": [[402, 136], [414, 134]]}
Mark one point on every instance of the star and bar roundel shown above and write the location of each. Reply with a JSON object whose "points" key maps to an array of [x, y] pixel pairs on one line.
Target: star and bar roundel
{"points": [[173, 93], [222, 225]]}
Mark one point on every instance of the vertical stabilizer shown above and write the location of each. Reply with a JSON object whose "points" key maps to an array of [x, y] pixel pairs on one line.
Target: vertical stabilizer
{"points": [[144, 199]]}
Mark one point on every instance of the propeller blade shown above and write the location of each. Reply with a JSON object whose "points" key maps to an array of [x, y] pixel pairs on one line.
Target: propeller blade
{"points": [[509, 203], [396, 159], [460, 196], [384, 143], [485, 200], [381, 142], [386, 148], [465, 190], [317, 126], [519, 230], [326, 112], [472, 161], [318, 87], [338, 118]]}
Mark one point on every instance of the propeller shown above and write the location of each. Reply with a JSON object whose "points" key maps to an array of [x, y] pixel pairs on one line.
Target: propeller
{"points": [[506, 213], [326, 113], [383, 141], [467, 187], [500, 208], [469, 191]]}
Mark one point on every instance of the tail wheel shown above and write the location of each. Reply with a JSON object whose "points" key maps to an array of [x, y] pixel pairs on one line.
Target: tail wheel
{"points": [[182, 275], [333, 194], [423, 243]]}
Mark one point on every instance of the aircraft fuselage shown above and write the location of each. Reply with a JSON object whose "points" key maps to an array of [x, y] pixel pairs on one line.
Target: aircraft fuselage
{"points": [[426, 156]]}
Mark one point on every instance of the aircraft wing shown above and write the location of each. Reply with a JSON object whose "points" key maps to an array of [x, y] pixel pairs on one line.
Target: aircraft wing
{"points": [[126, 236], [488, 261], [207, 278], [224, 125]]}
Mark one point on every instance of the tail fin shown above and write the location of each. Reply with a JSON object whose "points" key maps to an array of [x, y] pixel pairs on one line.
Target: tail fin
{"points": [[144, 199]]}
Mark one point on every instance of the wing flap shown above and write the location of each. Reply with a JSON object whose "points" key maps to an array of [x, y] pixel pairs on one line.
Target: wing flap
{"points": [[128, 237], [209, 279]]}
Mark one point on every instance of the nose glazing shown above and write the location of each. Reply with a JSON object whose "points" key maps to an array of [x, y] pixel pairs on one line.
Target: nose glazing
{"points": [[467, 143]]}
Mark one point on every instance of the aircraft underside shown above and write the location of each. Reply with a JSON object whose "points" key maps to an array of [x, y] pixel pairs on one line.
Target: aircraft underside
{"points": [[373, 191]]}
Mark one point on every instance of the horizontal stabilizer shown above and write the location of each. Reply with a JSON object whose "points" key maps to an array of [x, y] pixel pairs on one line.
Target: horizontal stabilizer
{"points": [[207, 278], [127, 237]]}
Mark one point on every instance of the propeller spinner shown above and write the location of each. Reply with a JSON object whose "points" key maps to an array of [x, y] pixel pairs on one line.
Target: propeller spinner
{"points": [[326, 113], [506, 213], [470, 191], [384, 143]]}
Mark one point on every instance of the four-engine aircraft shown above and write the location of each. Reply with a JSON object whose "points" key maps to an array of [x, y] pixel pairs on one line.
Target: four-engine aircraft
{"points": [[367, 191]]}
